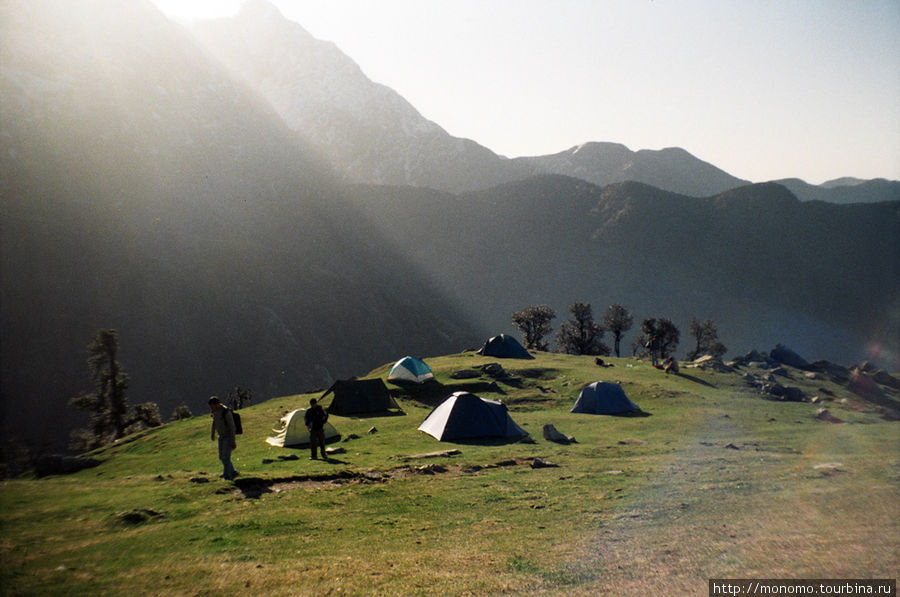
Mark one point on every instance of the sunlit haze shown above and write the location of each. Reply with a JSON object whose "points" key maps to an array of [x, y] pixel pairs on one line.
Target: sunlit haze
{"points": [[762, 89]]}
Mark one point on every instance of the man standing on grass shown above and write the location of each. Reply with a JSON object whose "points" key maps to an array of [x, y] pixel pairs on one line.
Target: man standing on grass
{"points": [[315, 418], [223, 424]]}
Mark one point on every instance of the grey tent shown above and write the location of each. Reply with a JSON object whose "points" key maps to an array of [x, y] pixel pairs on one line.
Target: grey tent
{"points": [[360, 396], [466, 416], [504, 347], [604, 398]]}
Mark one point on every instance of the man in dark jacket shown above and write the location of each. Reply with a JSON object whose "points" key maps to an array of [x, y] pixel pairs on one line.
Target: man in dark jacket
{"points": [[223, 425], [315, 418]]}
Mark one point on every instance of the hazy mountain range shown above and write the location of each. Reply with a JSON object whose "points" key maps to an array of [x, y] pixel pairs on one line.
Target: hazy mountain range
{"points": [[199, 206], [372, 135]]}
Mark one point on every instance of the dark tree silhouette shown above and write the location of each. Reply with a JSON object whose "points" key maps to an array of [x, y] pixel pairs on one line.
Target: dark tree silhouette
{"points": [[707, 336], [534, 322], [659, 338], [581, 334], [107, 404], [617, 320], [181, 412], [237, 397]]}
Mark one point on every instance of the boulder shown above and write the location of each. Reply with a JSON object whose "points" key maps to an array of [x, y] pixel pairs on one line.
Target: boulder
{"points": [[495, 370], [541, 463], [886, 379], [783, 393], [786, 356], [823, 415], [864, 386], [710, 362], [552, 435], [835, 373]]}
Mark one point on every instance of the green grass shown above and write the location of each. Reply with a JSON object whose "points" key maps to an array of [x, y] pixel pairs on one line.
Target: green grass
{"points": [[717, 482]]}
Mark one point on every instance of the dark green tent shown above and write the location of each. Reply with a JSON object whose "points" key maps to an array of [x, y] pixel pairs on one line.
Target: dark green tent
{"points": [[359, 396], [504, 347]]}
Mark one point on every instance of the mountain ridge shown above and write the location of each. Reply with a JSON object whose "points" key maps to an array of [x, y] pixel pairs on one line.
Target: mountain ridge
{"points": [[372, 135]]}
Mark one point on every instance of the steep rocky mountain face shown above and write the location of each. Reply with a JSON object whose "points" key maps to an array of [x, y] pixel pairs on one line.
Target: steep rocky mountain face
{"points": [[671, 169], [764, 266], [145, 190], [366, 130]]}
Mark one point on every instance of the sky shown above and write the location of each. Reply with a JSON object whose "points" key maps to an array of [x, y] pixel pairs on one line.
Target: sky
{"points": [[764, 89]]}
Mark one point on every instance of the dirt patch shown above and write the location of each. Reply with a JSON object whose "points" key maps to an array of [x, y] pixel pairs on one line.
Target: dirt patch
{"points": [[255, 487], [536, 373]]}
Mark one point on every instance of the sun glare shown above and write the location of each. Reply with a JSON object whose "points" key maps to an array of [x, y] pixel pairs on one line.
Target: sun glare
{"points": [[194, 10]]}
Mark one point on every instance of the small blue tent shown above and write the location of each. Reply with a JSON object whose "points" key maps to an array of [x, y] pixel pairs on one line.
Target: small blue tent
{"points": [[504, 347], [604, 398], [410, 370], [467, 416]]}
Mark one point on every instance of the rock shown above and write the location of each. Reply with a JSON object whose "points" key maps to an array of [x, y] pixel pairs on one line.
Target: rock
{"points": [[779, 371], [710, 362], [199, 480], [793, 394], [783, 393], [786, 356], [754, 356], [836, 373], [758, 364], [350, 436], [494, 370], [59, 464], [465, 374], [267, 460], [541, 463], [823, 415], [811, 375], [884, 378], [864, 386], [338, 450], [373, 430], [552, 435], [289, 457], [731, 447]]}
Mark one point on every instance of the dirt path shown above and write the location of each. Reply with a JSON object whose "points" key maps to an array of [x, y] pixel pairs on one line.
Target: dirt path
{"points": [[725, 507]]}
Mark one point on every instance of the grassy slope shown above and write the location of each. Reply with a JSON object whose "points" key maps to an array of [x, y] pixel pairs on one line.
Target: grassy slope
{"points": [[658, 503]]}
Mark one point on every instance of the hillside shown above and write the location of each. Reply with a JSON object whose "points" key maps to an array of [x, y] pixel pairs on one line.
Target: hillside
{"points": [[147, 191], [715, 482], [761, 264]]}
